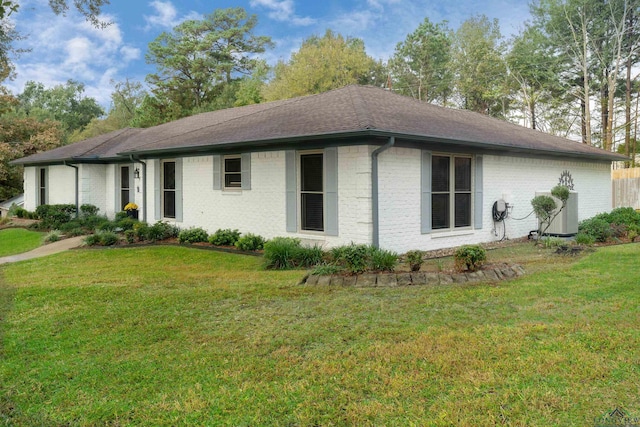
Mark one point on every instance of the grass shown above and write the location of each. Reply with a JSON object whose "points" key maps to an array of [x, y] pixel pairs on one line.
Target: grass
{"points": [[177, 336], [18, 240]]}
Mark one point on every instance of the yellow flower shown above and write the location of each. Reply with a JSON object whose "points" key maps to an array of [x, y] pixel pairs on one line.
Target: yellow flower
{"points": [[130, 207]]}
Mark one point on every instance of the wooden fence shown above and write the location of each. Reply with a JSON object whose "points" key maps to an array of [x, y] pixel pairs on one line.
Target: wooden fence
{"points": [[626, 187]]}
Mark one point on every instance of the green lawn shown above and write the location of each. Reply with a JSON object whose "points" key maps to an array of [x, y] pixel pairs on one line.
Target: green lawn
{"points": [[17, 240], [176, 336]]}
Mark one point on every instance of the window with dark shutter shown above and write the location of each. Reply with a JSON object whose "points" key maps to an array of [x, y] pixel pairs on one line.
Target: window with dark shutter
{"points": [[124, 186], [311, 192], [169, 189], [42, 186], [450, 204]]}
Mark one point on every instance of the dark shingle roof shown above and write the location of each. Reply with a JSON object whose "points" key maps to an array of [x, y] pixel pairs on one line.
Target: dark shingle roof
{"points": [[349, 111]]}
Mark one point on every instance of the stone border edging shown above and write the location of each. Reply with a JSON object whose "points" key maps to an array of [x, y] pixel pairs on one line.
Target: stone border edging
{"points": [[503, 272]]}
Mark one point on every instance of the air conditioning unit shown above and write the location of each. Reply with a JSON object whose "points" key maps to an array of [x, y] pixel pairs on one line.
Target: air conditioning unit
{"points": [[566, 223]]}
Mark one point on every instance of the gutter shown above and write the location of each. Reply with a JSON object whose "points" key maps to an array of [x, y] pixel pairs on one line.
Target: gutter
{"points": [[77, 186], [374, 189], [144, 185]]}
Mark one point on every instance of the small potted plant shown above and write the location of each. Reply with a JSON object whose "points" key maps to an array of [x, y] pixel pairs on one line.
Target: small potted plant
{"points": [[132, 210]]}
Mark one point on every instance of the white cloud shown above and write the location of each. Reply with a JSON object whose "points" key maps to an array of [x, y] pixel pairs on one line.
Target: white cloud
{"points": [[283, 11], [166, 16]]}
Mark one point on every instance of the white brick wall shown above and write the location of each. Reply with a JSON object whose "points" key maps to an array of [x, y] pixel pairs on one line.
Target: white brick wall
{"points": [[514, 178], [261, 210], [93, 187], [30, 192]]}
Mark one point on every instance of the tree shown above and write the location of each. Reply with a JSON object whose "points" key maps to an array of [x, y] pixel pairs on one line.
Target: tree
{"points": [[482, 76], [321, 64], [90, 9], [200, 56], [421, 65], [546, 209], [21, 137], [126, 98], [64, 103]]}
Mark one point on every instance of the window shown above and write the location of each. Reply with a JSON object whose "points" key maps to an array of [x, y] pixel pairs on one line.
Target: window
{"points": [[450, 192], [169, 189], [42, 186], [311, 192], [232, 172], [124, 186]]}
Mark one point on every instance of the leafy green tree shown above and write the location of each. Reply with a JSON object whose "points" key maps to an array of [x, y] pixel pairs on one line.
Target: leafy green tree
{"points": [[481, 80], [322, 64], [126, 98], [199, 57], [64, 103], [90, 9], [422, 64], [19, 137]]}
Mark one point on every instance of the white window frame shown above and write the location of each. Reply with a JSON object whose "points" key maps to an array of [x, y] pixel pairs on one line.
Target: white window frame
{"points": [[225, 173], [452, 192], [163, 189], [300, 154]]}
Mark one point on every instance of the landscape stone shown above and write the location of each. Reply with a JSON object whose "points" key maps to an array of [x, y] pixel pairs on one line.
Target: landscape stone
{"points": [[459, 278], [367, 279], [337, 280], [491, 275], [508, 272], [404, 279], [324, 280], [418, 278], [475, 276], [431, 279], [312, 280], [350, 280], [518, 269], [387, 280], [445, 279]]}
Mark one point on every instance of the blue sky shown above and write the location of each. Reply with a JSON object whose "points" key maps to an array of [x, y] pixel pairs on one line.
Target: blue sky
{"points": [[63, 48]]}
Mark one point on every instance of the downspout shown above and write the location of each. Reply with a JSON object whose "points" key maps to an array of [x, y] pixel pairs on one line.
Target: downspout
{"points": [[144, 186], [374, 189], [77, 186]]}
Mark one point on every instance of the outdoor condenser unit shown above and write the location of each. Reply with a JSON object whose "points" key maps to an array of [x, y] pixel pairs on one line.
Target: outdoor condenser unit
{"points": [[565, 224]]}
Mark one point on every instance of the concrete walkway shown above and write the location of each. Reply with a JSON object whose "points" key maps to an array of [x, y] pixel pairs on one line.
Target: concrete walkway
{"points": [[44, 250]]}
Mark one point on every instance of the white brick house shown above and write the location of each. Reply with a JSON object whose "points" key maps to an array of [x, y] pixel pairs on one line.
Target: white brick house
{"points": [[357, 164]]}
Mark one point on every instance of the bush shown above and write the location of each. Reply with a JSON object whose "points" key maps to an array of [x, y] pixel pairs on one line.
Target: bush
{"points": [[622, 216], [193, 235], [141, 231], [130, 236], [108, 238], [74, 232], [19, 212], [92, 240], [383, 260], [88, 210], [250, 242], [161, 231], [226, 237], [107, 226], [52, 236], [596, 227], [121, 215], [585, 239], [354, 258], [327, 270], [309, 256], [280, 253], [53, 216], [126, 223], [470, 257], [414, 259]]}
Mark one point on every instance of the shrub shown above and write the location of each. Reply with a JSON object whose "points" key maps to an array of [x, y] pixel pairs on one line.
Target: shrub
{"points": [[354, 258], [383, 260], [250, 242], [130, 236], [414, 259], [596, 227], [107, 226], [108, 238], [93, 222], [193, 235], [141, 231], [161, 231], [52, 236], [20, 212], [281, 252], [121, 215], [88, 210], [470, 257], [622, 216], [53, 216], [585, 239], [309, 256], [226, 237], [126, 223], [74, 232], [92, 240]]}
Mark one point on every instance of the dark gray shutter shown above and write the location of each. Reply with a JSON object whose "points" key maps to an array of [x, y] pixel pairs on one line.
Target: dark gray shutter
{"points": [[217, 172], [245, 168], [157, 191], [477, 201], [117, 189], [178, 190], [425, 192], [331, 191], [291, 183]]}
